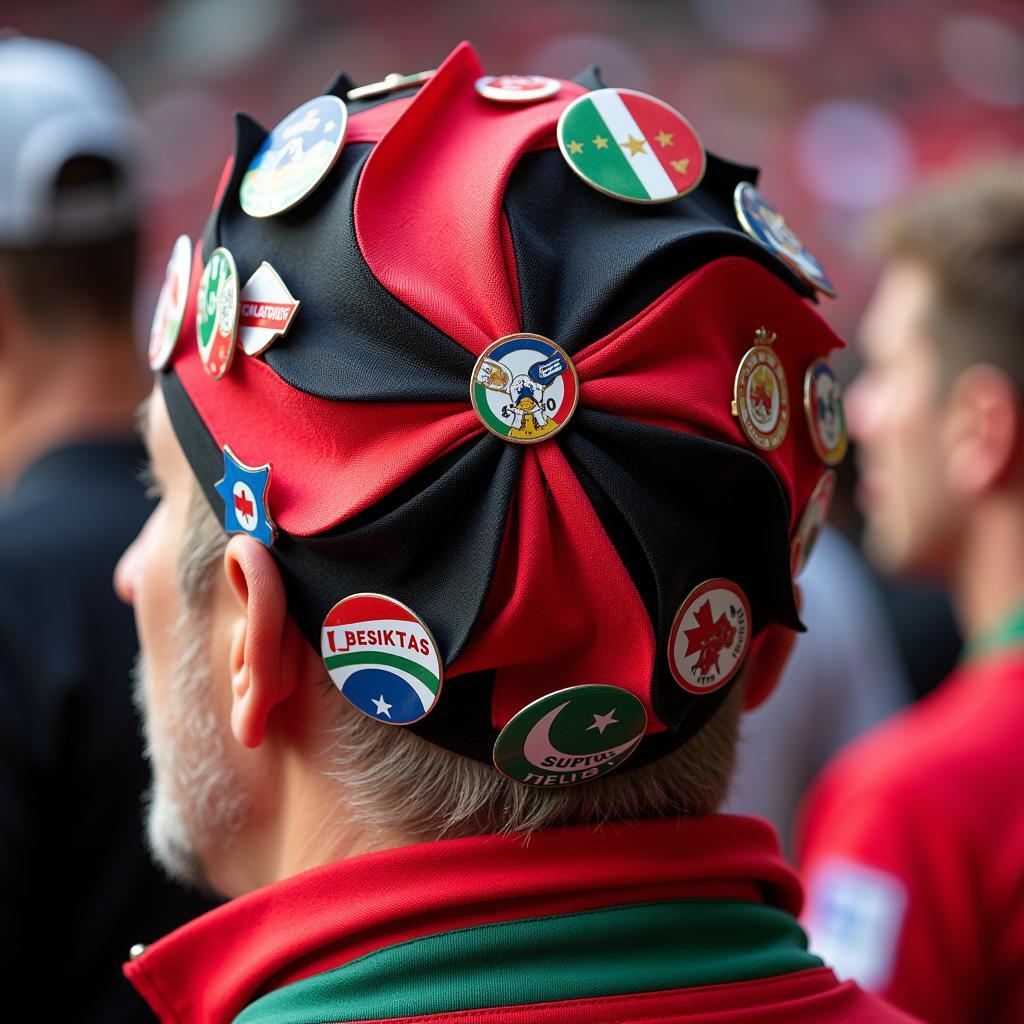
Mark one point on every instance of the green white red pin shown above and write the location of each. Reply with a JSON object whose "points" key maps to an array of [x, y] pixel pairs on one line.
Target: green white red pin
{"points": [[170, 305], [570, 736], [631, 146], [710, 636], [761, 394], [295, 157], [217, 313]]}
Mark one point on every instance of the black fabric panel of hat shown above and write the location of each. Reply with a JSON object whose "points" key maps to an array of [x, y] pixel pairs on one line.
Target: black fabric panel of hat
{"points": [[586, 264]]}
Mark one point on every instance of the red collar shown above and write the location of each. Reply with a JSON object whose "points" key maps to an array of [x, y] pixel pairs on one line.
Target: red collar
{"points": [[210, 969]]}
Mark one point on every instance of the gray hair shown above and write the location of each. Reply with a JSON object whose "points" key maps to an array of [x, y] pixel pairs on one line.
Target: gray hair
{"points": [[396, 781]]}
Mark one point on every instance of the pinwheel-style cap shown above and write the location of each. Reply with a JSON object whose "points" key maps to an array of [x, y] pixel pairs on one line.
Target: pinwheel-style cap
{"points": [[512, 419]]}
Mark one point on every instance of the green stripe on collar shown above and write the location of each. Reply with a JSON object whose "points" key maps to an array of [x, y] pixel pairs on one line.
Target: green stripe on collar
{"points": [[613, 951], [1007, 633]]}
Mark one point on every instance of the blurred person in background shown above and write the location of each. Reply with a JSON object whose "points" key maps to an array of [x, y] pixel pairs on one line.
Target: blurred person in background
{"points": [[845, 675], [75, 881], [421, 587], [913, 840]]}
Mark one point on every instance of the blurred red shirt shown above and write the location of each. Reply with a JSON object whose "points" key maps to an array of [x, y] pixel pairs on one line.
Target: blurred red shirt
{"points": [[912, 847]]}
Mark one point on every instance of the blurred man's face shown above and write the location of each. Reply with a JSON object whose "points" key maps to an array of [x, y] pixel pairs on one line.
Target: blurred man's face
{"points": [[197, 801], [895, 412]]}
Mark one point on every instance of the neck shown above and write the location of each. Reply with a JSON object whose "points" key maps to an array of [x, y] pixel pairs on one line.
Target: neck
{"points": [[301, 821], [989, 580], [88, 388]]}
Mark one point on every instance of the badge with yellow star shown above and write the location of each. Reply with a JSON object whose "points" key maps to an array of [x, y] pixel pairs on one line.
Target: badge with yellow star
{"points": [[631, 146]]}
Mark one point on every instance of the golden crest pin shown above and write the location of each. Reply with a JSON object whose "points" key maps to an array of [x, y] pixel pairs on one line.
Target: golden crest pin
{"points": [[761, 394]]}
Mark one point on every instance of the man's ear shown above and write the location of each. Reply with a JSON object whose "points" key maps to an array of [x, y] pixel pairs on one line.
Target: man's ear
{"points": [[268, 655], [981, 430], [767, 659]]}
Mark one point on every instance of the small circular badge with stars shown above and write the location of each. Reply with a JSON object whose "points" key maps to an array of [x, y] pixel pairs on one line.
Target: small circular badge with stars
{"points": [[570, 736], [382, 658], [710, 636], [524, 388], [517, 88], [217, 312], [812, 521], [295, 157], [823, 403], [764, 223], [761, 395], [631, 146]]}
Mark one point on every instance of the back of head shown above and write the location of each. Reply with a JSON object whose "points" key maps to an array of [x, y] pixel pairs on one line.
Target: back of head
{"points": [[967, 233], [69, 203], [531, 457]]}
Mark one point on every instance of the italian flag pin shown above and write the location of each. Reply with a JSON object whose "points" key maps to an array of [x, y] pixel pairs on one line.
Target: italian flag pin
{"points": [[631, 146]]}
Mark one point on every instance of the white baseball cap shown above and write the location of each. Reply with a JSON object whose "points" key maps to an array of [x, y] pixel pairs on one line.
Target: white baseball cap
{"points": [[57, 103]]}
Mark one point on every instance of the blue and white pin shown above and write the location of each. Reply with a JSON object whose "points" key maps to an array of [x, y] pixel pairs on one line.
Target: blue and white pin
{"points": [[244, 490], [766, 225], [382, 657]]}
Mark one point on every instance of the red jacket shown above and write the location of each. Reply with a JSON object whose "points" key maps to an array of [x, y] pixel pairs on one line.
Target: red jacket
{"points": [[913, 851], [674, 920]]}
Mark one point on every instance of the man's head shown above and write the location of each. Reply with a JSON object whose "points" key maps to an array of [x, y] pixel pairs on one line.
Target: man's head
{"points": [[68, 215], [560, 588], [936, 411]]}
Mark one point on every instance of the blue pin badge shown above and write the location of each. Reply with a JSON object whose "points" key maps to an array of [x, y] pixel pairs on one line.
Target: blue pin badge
{"points": [[244, 490], [766, 225]]}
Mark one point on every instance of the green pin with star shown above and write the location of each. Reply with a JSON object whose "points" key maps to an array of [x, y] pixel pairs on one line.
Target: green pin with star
{"points": [[571, 736]]}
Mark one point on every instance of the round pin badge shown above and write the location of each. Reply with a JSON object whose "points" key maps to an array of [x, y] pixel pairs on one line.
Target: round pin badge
{"points": [[811, 522], [570, 736], [294, 157], [761, 394], [524, 388], [710, 636], [517, 88], [764, 223], [823, 403], [382, 658], [217, 312], [631, 146], [170, 305]]}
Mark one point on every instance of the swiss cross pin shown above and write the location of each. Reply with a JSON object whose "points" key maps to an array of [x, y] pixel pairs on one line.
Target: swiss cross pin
{"points": [[266, 311], [244, 490]]}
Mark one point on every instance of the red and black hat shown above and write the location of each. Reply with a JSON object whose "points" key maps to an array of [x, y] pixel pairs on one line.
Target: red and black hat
{"points": [[552, 430]]}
